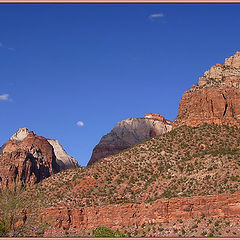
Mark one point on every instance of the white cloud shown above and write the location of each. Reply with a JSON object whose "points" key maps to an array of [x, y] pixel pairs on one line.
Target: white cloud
{"points": [[1, 45], [80, 123], [156, 15], [4, 97]]}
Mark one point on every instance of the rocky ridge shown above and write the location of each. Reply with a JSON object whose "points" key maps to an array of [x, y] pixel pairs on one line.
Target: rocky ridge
{"points": [[216, 97], [130, 132]]}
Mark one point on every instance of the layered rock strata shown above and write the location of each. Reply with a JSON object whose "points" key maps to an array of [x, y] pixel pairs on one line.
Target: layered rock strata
{"points": [[130, 132], [216, 97], [162, 210]]}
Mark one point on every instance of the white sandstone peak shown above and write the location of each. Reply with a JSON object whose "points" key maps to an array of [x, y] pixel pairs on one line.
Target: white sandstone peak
{"points": [[20, 134], [63, 159]]}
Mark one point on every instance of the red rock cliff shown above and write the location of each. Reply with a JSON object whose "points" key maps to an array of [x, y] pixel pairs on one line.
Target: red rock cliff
{"points": [[162, 210], [216, 97]]}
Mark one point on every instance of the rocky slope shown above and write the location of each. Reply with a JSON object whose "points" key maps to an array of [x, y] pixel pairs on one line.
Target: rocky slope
{"points": [[181, 183], [216, 97], [130, 132]]}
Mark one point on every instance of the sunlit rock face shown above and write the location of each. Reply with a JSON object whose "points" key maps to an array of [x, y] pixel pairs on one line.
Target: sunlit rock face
{"points": [[216, 97], [130, 132], [63, 159], [20, 134]]}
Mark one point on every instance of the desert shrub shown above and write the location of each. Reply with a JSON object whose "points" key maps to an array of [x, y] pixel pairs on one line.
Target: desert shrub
{"points": [[106, 232], [3, 229]]}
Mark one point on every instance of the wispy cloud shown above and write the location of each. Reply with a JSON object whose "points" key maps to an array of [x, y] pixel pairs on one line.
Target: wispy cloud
{"points": [[156, 15], [8, 48], [80, 123], [11, 49], [4, 97]]}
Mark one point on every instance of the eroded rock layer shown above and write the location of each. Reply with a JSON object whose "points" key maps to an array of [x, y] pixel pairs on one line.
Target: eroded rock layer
{"points": [[216, 97], [161, 211]]}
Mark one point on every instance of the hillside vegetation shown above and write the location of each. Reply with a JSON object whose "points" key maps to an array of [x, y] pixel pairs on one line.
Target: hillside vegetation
{"points": [[186, 162]]}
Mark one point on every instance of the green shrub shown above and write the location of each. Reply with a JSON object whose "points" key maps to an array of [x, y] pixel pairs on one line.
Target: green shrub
{"points": [[106, 232], [3, 229]]}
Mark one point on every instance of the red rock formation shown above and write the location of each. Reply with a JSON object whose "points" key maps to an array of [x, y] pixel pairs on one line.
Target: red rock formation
{"points": [[216, 97], [26, 162], [155, 116], [63, 159], [160, 211]]}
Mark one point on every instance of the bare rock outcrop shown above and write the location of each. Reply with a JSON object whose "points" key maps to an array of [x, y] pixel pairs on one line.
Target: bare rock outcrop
{"points": [[20, 134], [63, 159], [216, 97], [130, 132]]}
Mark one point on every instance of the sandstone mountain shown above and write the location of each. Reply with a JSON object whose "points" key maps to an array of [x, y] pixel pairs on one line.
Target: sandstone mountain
{"points": [[130, 132], [26, 162], [216, 97], [26, 159], [63, 159]]}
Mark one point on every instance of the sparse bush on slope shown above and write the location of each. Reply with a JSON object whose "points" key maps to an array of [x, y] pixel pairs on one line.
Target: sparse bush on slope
{"points": [[106, 232]]}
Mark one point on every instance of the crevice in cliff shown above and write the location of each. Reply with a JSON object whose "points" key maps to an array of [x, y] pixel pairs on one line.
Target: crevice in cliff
{"points": [[212, 107], [226, 105], [225, 109], [69, 216], [24, 218]]}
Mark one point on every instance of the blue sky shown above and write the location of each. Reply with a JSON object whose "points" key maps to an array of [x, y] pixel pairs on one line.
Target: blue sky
{"points": [[97, 64]]}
